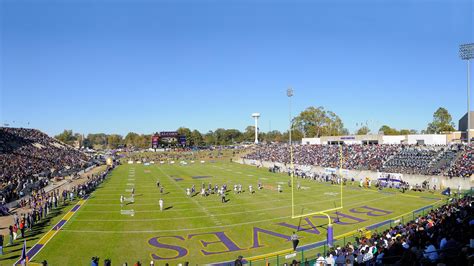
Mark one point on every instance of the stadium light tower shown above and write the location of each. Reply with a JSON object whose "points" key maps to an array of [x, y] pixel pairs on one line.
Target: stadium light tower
{"points": [[466, 52], [289, 93], [256, 116]]}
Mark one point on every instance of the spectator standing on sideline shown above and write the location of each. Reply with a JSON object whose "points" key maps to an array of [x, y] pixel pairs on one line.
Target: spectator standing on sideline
{"points": [[1, 244], [10, 231], [294, 240], [238, 261]]}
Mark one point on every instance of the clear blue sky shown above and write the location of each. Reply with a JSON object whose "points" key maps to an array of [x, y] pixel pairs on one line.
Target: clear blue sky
{"points": [[145, 66]]}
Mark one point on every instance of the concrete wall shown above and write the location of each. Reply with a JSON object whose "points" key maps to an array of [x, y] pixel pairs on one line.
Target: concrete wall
{"points": [[443, 181], [430, 139], [399, 139], [310, 141]]}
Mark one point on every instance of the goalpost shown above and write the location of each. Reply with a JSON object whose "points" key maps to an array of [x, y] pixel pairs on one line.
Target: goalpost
{"points": [[330, 231]]}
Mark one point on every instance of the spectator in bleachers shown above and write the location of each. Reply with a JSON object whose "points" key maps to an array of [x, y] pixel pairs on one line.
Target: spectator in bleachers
{"points": [[456, 160], [29, 158]]}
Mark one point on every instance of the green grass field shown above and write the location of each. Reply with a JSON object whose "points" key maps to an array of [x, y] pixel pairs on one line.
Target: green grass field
{"points": [[204, 230]]}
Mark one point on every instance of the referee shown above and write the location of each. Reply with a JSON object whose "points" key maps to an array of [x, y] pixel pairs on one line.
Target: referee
{"points": [[294, 239]]}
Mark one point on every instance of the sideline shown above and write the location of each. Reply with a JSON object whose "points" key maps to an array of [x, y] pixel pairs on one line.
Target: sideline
{"points": [[36, 248]]}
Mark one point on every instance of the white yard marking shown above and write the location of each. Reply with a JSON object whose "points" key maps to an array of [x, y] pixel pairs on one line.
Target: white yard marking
{"points": [[200, 228], [127, 212], [252, 203]]}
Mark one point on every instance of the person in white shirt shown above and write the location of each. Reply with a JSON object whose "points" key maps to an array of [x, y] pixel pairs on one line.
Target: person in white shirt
{"points": [[320, 261], [160, 202], [330, 260]]}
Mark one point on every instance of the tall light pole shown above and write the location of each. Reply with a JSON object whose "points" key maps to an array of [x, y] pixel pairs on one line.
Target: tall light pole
{"points": [[466, 52], [256, 116], [289, 93]]}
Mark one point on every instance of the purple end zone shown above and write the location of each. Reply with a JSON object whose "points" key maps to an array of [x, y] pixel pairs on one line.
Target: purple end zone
{"points": [[75, 208], [201, 176], [178, 179]]}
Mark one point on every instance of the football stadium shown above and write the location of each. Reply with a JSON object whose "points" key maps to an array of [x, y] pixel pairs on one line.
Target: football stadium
{"points": [[240, 133]]}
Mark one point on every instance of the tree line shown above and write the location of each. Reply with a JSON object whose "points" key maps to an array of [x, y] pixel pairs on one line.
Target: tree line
{"points": [[311, 122]]}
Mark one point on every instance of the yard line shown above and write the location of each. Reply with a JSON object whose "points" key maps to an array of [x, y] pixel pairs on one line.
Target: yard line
{"points": [[200, 228], [247, 211]]}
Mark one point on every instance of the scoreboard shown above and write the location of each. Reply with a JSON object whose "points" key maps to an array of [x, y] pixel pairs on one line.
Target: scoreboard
{"points": [[167, 138], [155, 140], [182, 140]]}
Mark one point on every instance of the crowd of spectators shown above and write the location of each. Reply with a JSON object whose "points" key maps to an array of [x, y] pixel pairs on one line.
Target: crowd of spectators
{"points": [[455, 160], [42, 203], [366, 157], [29, 158], [464, 165], [442, 236], [413, 160]]}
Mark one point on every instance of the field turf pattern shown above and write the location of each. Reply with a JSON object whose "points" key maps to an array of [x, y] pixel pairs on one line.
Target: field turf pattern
{"points": [[99, 229]]}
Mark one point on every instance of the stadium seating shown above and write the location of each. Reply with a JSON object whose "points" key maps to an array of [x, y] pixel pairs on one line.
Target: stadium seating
{"points": [[29, 157], [441, 236], [454, 160], [463, 166]]}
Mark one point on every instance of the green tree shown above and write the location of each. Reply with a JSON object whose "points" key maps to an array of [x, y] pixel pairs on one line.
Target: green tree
{"points": [[98, 140], [442, 122], [131, 139], [232, 136], [363, 131], [388, 130], [210, 138], [67, 136], [114, 141], [197, 138], [274, 136], [184, 131], [296, 135], [316, 122], [87, 143], [249, 134], [408, 131]]}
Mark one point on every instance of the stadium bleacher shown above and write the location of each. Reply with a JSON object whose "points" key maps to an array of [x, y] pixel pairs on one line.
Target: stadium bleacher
{"points": [[453, 160], [29, 158]]}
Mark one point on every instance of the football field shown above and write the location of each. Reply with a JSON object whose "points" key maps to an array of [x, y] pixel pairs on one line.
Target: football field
{"points": [[203, 229]]}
